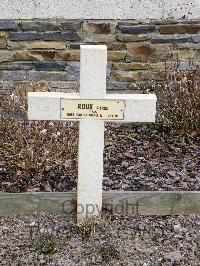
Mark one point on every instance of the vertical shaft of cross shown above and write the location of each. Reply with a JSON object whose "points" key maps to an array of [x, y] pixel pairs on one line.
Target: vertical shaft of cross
{"points": [[91, 133]]}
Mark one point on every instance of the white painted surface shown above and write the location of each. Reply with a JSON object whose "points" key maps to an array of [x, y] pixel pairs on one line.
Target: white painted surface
{"points": [[46, 106], [93, 71], [91, 133], [139, 107], [100, 9], [90, 169]]}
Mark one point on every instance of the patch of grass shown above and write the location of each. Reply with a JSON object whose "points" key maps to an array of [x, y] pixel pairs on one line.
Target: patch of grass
{"points": [[108, 251], [89, 226], [46, 244]]}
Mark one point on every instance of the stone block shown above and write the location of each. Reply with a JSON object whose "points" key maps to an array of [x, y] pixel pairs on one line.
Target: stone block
{"points": [[160, 65], [7, 91], [188, 46], [16, 66], [6, 56], [138, 29], [3, 41], [180, 29], [62, 86], [190, 21], [116, 55], [16, 45], [74, 46], [126, 76], [61, 36], [6, 86], [129, 58], [13, 75], [98, 38], [71, 25], [132, 38], [36, 76], [8, 25], [50, 66], [115, 85], [171, 39], [25, 36], [35, 55], [46, 45], [185, 55], [145, 75], [196, 38], [98, 32], [99, 28], [116, 46], [121, 24], [39, 26], [108, 70], [139, 86], [131, 66], [146, 52], [73, 68], [68, 55], [163, 22]]}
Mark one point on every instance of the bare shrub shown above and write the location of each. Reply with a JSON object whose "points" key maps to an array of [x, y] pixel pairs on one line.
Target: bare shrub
{"points": [[179, 99], [33, 152]]}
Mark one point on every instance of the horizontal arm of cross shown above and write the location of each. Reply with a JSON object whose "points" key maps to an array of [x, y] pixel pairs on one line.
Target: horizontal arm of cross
{"points": [[47, 106]]}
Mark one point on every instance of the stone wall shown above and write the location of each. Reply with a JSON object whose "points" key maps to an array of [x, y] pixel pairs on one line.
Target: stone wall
{"points": [[32, 51]]}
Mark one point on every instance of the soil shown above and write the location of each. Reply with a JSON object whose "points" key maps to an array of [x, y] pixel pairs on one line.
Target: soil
{"points": [[149, 158], [44, 239]]}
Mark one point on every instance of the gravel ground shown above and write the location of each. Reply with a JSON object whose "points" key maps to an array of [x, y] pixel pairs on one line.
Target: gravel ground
{"points": [[42, 239]]}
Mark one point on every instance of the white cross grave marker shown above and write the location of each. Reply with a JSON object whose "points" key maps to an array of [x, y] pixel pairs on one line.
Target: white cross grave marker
{"points": [[92, 106]]}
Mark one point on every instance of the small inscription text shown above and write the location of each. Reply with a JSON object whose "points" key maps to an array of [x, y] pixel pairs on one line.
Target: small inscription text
{"points": [[92, 109]]}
